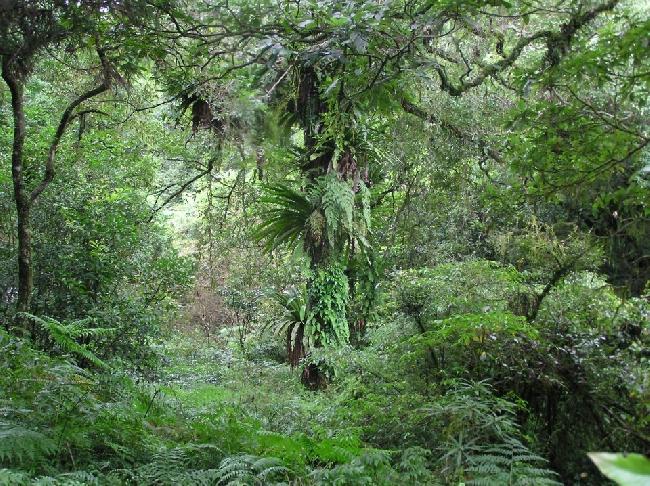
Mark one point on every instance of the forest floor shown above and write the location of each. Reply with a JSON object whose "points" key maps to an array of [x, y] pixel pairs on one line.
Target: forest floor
{"points": [[258, 406], [202, 374]]}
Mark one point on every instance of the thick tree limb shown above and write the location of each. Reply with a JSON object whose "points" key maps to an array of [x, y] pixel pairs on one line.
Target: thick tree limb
{"points": [[557, 45], [481, 143]]}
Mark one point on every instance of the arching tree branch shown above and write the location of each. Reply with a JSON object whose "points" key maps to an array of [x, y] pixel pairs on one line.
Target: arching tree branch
{"points": [[481, 143], [66, 118], [557, 45]]}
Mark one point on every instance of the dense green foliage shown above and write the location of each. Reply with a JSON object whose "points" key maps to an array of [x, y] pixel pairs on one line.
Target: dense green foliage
{"points": [[324, 242]]}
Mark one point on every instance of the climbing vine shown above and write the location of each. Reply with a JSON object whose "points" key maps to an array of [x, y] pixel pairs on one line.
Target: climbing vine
{"points": [[328, 295]]}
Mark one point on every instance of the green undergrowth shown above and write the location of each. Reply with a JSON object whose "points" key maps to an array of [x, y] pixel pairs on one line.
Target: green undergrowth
{"points": [[433, 395], [212, 417]]}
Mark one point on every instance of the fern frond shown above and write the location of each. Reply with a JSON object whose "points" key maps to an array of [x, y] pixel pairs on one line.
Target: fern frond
{"points": [[507, 462], [247, 469], [336, 198], [18, 444], [64, 337], [14, 478], [77, 478], [364, 196]]}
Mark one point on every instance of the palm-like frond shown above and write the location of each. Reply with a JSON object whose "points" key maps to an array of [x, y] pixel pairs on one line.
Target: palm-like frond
{"points": [[286, 220], [323, 214], [297, 323]]}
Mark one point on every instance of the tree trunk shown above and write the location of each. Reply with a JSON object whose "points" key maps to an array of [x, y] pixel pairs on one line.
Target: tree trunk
{"points": [[21, 196], [25, 271]]}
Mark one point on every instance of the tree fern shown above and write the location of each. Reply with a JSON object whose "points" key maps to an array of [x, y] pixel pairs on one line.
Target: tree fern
{"points": [[482, 444]]}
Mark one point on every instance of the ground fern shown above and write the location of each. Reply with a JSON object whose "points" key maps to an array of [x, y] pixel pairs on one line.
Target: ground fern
{"points": [[508, 463], [246, 469], [66, 335], [19, 444]]}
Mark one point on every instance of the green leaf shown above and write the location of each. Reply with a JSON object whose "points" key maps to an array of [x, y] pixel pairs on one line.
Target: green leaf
{"points": [[623, 469]]}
